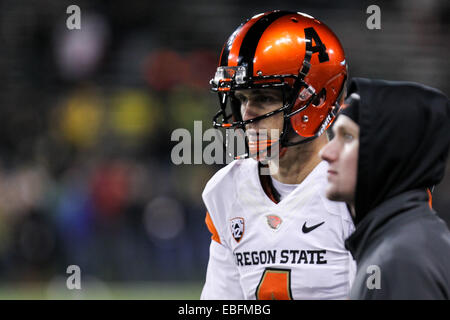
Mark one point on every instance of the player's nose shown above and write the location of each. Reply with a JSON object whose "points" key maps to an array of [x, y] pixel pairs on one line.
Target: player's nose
{"points": [[249, 113]]}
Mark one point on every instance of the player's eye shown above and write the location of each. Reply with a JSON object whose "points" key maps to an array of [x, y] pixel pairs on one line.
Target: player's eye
{"points": [[240, 97], [265, 99]]}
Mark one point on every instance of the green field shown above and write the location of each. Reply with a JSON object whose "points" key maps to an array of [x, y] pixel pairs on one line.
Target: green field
{"points": [[102, 291]]}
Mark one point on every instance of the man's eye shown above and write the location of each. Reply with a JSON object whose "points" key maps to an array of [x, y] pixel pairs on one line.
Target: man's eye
{"points": [[241, 99], [265, 99], [348, 137]]}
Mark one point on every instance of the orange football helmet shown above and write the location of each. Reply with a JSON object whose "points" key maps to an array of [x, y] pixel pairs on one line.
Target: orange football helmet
{"points": [[287, 50]]}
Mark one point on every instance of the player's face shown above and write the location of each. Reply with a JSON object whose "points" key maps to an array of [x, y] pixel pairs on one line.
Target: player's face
{"points": [[255, 103], [342, 155]]}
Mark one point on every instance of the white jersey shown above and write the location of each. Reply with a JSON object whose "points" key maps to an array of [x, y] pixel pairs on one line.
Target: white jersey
{"points": [[293, 249]]}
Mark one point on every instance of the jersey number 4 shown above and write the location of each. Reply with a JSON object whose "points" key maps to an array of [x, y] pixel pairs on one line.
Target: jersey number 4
{"points": [[275, 284]]}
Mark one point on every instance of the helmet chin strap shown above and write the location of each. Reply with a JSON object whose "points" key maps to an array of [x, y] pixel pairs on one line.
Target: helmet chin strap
{"points": [[284, 139], [306, 140]]}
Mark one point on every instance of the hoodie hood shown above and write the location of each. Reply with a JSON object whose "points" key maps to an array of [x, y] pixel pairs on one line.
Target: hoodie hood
{"points": [[404, 140]]}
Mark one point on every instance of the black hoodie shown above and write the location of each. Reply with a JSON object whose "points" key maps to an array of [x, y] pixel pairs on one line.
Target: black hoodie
{"points": [[404, 141]]}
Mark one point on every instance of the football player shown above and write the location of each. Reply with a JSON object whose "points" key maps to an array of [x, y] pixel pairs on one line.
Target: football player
{"points": [[277, 236]]}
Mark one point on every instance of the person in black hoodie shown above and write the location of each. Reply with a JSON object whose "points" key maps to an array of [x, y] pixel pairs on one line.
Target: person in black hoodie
{"points": [[389, 151]]}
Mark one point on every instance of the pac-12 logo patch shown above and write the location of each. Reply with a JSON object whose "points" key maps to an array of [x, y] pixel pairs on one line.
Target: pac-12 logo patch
{"points": [[237, 228], [274, 221]]}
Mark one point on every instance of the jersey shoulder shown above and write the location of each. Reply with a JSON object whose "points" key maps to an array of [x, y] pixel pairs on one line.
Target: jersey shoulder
{"points": [[225, 179], [222, 189]]}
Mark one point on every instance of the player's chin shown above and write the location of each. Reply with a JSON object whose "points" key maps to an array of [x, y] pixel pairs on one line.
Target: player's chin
{"points": [[265, 155]]}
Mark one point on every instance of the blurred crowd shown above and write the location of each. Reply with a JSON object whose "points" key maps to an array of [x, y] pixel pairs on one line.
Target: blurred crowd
{"points": [[85, 171], [85, 135]]}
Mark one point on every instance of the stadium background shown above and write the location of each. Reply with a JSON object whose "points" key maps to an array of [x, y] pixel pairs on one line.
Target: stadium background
{"points": [[85, 171]]}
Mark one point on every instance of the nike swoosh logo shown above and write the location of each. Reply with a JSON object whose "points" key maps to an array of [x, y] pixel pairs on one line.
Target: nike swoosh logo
{"points": [[306, 229]]}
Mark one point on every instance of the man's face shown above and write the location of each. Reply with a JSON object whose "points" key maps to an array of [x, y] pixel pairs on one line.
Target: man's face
{"points": [[342, 155], [255, 103]]}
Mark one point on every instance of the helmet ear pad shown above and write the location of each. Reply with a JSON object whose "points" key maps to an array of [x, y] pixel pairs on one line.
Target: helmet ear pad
{"points": [[307, 122]]}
